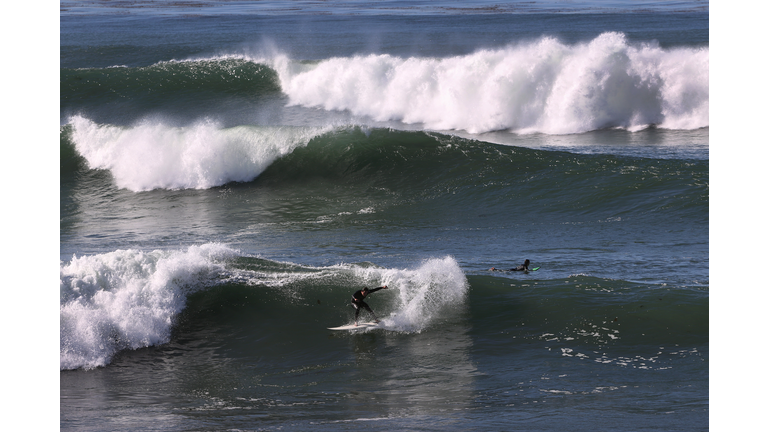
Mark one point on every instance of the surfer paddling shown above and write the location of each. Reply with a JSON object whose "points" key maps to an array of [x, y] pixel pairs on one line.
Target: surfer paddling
{"points": [[357, 301], [522, 267]]}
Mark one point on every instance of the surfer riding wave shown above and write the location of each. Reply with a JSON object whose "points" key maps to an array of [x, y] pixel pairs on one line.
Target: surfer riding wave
{"points": [[357, 301]]}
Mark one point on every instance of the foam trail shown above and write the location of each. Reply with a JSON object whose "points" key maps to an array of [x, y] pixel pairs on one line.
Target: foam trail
{"points": [[128, 299], [424, 294], [542, 86], [154, 155]]}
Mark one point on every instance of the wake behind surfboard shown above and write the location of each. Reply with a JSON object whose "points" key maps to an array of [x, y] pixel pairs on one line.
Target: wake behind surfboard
{"points": [[360, 326]]}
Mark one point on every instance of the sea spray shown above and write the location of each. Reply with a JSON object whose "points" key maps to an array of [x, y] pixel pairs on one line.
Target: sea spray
{"points": [[540, 86], [128, 299], [424, 294], [153, 154]]}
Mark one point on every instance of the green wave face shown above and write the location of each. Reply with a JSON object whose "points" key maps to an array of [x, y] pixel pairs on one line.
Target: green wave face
{"points": [[397, 168]]}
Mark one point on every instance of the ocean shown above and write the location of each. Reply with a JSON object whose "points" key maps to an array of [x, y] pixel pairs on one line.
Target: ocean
{"points": [[231, 172]]}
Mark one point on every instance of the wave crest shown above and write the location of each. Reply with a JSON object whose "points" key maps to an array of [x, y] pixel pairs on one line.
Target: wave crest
{"points": [[130, 299], [424, 294], [127, 299], [542, 86], [154, 155]]}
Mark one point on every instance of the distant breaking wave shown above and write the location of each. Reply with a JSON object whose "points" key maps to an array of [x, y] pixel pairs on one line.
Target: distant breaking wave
{"points": [[539, 86], [154, 155], [385, 166], [542, 86]]}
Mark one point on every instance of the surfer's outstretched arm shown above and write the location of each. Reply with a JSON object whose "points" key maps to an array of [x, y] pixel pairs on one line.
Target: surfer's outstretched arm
{"points": [[376, 289], [357, 301]]}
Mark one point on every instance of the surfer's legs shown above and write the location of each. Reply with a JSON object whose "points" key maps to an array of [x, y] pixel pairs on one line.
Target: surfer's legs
{"points": [[370, 312], [365, 306], [357, 310]]}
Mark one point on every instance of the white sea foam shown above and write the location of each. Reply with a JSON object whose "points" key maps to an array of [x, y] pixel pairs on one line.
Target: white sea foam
{"points": [[127, 299], [424, 294], [541, 86], [154, 155]]}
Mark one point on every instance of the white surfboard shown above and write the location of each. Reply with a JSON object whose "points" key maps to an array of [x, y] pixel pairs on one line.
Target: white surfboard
{"points": [[359, 326]]}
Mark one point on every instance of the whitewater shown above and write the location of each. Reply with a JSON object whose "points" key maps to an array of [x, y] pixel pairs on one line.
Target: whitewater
{"points": [[539, 87], [156, 155], [232, 172], [130, 299]]}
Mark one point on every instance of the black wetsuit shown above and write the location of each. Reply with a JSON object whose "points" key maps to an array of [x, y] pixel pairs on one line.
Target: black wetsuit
{"points": [[521, 267], [357, 302]]}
